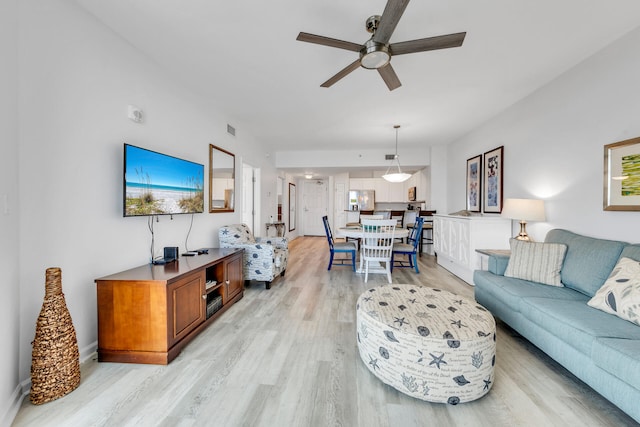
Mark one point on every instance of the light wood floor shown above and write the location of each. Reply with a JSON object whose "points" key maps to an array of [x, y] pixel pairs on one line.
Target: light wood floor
{"points": [[288, 357]]}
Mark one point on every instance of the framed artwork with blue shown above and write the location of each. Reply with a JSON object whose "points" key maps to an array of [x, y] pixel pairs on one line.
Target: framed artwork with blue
{"points": [[492, 181], [474, 183]]}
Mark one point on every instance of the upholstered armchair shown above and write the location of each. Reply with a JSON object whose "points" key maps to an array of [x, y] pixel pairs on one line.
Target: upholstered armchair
{"points": [[264, 257]]}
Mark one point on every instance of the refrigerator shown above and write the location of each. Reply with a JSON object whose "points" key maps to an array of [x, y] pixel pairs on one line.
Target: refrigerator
{"points": [[361, 200]]}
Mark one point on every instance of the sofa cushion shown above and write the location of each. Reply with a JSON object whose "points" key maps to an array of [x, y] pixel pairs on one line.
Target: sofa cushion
{"points": [[537, 262], [631, 251], [575, 322], [619, 357], [236, 234], [620, 294], [510, 291], [588, 261]]}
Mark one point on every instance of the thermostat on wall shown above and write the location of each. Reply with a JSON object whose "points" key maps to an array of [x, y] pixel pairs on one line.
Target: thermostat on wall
{"points": [[134, 113]]}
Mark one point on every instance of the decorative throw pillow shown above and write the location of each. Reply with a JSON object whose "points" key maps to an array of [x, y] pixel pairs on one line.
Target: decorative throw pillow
{"points": [[620, 294], [537, 262]]}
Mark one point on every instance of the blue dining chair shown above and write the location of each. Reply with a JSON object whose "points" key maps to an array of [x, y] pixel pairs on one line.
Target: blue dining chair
{"points": [[410, 249], [339, 247]]}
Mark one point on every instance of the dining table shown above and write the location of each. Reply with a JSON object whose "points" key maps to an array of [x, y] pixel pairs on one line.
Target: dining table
{"points": [[355, 232]]}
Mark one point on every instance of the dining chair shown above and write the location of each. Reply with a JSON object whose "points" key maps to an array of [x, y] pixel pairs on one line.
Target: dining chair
{"points": [[339, 247], [364, 216], [409, 249], [377, 244]]}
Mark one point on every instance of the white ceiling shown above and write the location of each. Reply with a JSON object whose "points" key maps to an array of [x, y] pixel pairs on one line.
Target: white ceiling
{"points": [[243, 54]]}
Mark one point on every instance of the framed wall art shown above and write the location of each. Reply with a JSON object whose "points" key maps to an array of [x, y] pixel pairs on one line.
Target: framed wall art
{"points": [[622, 176], [474, 183], [492, 181], [412, 194]]}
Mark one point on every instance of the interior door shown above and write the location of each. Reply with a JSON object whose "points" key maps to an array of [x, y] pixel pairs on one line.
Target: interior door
{"points": [[315, 203]]}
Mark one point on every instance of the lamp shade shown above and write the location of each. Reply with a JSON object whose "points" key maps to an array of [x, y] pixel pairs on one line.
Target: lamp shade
{"points": [[396, 177], [524, 209]]}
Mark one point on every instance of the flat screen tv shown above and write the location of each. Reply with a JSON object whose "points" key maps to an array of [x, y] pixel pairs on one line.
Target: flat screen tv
{"points": [[158, 184]]}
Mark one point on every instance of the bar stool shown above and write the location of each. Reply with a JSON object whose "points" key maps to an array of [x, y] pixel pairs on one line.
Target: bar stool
{"points": [[427, 228], [399, 217]]}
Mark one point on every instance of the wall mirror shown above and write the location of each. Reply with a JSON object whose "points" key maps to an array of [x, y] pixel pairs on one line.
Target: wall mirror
{"points": [[222, 172], [292, 207]]}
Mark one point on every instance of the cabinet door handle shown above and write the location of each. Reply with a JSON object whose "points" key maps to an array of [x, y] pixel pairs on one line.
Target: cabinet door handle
{"points": [[227, 282], [204, 296]]}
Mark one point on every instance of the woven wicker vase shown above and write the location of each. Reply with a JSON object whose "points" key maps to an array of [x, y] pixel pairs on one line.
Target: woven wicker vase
{"points": [[55, 360]]}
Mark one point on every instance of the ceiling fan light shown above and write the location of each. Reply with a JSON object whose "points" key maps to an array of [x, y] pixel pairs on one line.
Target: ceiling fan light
{"points": [[374, 55]]}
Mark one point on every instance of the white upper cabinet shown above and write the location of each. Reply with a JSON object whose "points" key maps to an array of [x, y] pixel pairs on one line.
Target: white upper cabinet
{"points": [[398, 192], [382, 190], [362, 184], [393, 192]]}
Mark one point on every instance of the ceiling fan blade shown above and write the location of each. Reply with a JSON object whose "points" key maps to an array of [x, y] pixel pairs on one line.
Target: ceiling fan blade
{"points": [[328, 41], [429, 43], [342, 73], [390, 17], [389, 76]]}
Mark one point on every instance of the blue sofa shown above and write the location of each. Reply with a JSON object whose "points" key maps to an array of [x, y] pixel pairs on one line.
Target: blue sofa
{"points": [[601, 349]]}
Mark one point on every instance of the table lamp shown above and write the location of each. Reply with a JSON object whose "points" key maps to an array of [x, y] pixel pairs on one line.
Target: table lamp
{"points": [[523, 210]]}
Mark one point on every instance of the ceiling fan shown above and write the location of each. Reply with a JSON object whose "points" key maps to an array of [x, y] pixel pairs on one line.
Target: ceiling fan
{"points": [[376, 53]]}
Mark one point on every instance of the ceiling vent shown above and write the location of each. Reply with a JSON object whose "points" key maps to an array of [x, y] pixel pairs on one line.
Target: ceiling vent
{"points": [[231, 130]]}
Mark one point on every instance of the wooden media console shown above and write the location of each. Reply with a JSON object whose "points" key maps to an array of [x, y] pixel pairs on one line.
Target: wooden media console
{"points": [[149, 313]]}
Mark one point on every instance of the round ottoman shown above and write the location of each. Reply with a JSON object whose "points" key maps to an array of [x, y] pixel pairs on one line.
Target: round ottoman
{"points": [[427, 343]]}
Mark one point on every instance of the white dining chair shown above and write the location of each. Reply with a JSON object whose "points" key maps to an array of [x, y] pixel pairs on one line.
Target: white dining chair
{"points": [[372, 216], [377, 244]]}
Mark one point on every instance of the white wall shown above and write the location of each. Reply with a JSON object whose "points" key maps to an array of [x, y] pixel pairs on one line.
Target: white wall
{"points": [[553, 144], [9, 208], [410, 158], [76, 80], [439, 184]]}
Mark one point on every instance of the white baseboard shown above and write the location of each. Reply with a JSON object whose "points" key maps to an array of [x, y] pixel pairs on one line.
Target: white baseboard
{"points": [[14, 406], [88, 352], [22, 390]]}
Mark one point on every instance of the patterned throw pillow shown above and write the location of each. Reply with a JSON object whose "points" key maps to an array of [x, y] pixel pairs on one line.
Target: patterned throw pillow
{"points": [[537, 262], [620, 294]]}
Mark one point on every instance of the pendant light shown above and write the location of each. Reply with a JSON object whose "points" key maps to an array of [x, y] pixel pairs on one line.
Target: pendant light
{"points": [[396, 176]]}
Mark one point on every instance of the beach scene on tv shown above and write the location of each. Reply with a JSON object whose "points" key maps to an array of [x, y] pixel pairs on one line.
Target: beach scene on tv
{"points": [[157, 184]]}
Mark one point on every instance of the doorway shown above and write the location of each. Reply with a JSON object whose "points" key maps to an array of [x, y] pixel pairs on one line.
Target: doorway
{"points": [[315, 202]]}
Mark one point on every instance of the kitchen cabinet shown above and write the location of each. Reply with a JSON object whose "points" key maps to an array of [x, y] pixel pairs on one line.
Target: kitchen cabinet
{"points": [[386, 192], [397, 192]]}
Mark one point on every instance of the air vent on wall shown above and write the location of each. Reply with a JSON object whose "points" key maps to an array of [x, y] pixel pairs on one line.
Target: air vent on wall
{"points": [[231, 130], [389, 156]]}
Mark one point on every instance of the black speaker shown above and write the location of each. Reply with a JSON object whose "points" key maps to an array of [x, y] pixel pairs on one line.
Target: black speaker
{"points": [[170, 253]]}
